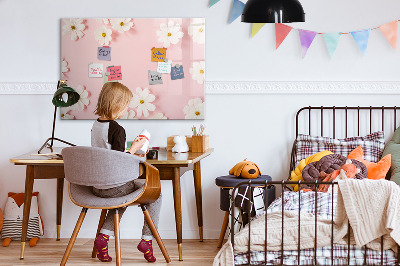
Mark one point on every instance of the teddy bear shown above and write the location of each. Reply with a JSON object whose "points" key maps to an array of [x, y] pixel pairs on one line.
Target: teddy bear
{"points": [[13, 215], [245, 169], [180, 144]]}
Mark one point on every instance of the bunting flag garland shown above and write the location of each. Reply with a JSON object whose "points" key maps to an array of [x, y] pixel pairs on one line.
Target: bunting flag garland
{"points": [[389, 30], [332, 41], [256, 27], [237, 8], [361, 37], [213, 2], [306, 39], [281, 31]]}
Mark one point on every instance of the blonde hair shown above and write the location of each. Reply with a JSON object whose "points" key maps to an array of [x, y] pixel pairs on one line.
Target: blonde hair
{"points": [[113, 98]]}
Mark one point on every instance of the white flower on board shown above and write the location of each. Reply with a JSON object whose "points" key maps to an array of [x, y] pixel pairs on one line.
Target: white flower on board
{"points": [[158, 116], [121, 24], [103, 35], [194, 109], [143, 99], [83, 100], [170, 34], [74, 27], [198, 71], [103, 20], [64, 113], [128, 115], [197, 30], [64, 67]]}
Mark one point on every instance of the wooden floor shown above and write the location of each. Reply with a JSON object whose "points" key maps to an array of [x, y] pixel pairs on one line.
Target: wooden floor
{"points": [[50, 252]]}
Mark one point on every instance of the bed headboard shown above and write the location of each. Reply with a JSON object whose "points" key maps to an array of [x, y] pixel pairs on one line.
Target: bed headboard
{"points": [[344, 121]]}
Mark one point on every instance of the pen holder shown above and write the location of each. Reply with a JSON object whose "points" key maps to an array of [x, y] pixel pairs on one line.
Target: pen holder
{"points": [[200, 143]]}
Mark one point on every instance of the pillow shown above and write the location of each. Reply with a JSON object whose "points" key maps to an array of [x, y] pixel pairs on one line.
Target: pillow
{"points": [[393, 148], [375, 170], [372, 144]]}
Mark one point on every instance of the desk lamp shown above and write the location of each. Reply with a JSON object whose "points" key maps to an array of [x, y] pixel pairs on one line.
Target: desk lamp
{"points": [[273, 11], [63, 97]]}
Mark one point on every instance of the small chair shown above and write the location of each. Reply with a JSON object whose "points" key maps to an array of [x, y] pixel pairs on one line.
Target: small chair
{"points": [[85, 167]]}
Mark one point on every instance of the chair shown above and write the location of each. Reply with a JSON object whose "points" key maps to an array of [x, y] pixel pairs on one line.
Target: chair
{"points": [[85, 167]]}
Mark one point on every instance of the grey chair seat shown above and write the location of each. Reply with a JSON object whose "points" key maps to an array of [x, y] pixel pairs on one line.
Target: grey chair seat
{"points": [[83, 196]]}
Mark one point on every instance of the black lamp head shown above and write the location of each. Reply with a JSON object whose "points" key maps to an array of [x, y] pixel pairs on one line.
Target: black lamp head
{"points": [[273, 11], [65, 96]]}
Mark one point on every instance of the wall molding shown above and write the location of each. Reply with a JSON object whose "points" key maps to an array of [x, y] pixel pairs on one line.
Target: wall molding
{"points": [[251, 87]]}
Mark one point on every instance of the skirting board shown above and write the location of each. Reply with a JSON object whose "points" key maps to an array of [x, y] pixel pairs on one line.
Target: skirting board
{"points": [[251, 87]]}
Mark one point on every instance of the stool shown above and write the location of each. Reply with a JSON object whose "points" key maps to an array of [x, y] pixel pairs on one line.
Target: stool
{"points": [[226, 183]]}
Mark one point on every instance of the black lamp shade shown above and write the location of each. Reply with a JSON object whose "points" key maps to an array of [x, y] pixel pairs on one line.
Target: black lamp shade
{"points": [[273, 11], [73, 96]]}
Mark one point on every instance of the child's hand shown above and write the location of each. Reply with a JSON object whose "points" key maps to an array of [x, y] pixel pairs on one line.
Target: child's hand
{"points": [[137, 144]]}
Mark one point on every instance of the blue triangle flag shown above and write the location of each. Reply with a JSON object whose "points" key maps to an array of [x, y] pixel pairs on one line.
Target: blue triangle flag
{"points": [[237, 9], [213, 2], [332, 41], [361, 37]]}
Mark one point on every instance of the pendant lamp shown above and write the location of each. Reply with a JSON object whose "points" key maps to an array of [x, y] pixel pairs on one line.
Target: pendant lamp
{"points": [[63, 97], [273, 11]]}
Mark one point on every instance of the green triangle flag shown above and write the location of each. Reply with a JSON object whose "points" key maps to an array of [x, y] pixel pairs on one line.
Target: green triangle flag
{"points": [[256, 28], [213, 2], [332, 41]]}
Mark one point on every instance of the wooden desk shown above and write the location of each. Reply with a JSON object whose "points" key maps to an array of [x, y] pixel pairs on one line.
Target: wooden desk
{"points": [[171, 167]]}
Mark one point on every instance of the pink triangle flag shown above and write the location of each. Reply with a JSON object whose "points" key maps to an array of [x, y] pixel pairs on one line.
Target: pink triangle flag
{"points": [[306, 39], [389, 30], [281, 31]]}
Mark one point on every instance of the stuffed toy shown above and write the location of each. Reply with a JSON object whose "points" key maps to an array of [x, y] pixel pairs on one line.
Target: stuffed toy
{"points": [[180, 144], [296, 174], [245, 169], [13, 215], [375, 170]]}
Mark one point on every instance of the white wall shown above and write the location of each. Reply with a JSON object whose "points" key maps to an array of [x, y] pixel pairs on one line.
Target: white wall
{"points": [[259, 127]]}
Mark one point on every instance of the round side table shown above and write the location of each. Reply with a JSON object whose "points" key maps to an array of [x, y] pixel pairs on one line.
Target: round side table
{"points": [[228, 182]]}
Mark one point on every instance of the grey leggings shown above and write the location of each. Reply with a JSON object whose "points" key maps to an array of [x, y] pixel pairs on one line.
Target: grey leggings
{"points": [[154, 208]]}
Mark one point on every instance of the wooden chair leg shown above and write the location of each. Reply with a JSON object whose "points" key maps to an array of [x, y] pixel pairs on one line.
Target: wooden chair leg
{"points": [[117, 238], [101, 222], [223, 229], [154, 230], [73, 237]]}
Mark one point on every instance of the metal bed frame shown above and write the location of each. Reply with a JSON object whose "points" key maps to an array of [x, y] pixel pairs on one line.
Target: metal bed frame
{"points": [[284, 183]]}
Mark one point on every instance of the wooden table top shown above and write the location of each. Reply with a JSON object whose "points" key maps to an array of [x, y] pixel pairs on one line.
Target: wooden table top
{"points": [[164, 157]]}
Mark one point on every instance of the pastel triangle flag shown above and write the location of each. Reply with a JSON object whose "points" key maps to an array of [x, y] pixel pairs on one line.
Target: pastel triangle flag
{"points": [[213, 2], [332, 41], [361, 37], [237, 9], [306, 39], [281, 31], [256, 27], [389, 30]]}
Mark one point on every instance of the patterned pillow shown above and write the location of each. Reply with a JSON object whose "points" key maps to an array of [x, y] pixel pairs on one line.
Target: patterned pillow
{"points": [[372, 144]]}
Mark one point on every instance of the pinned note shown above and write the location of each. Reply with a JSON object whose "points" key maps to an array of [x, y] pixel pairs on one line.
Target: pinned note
{"points": [[155, 78], [177, 72], [158, 54], [164, 67], [115, 73], [104, 53], [95, 70]]}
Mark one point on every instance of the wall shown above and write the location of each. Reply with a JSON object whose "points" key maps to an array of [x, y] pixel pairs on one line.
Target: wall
{"points": [[259, 127]]}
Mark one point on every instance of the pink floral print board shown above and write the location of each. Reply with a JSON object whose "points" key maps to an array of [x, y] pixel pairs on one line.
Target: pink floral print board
{"points": [[128, 50]]}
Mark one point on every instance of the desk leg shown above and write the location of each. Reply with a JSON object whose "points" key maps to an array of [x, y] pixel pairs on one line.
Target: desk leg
{"points": [[176, 182], [27, 206], [60, 190], [199, 204]]}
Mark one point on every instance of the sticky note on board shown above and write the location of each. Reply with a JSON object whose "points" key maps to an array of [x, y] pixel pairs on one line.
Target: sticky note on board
{"points": [[155, 78], [106, 74], [95, 70], [104, 53], [115, 73], [164, 67], [177, 72], [158, 54]]}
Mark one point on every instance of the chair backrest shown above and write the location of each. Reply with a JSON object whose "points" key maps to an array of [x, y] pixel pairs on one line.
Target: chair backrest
{"points": [[92, 166]]}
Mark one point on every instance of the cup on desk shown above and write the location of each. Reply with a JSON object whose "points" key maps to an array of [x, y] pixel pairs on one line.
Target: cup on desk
{"points": [[152, 155]]}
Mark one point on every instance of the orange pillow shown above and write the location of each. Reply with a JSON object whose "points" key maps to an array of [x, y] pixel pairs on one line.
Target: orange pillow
{"points": [[375, 170]]}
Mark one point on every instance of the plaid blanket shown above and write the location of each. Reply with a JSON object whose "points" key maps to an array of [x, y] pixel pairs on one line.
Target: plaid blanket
{"points": [[321, 205]]}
